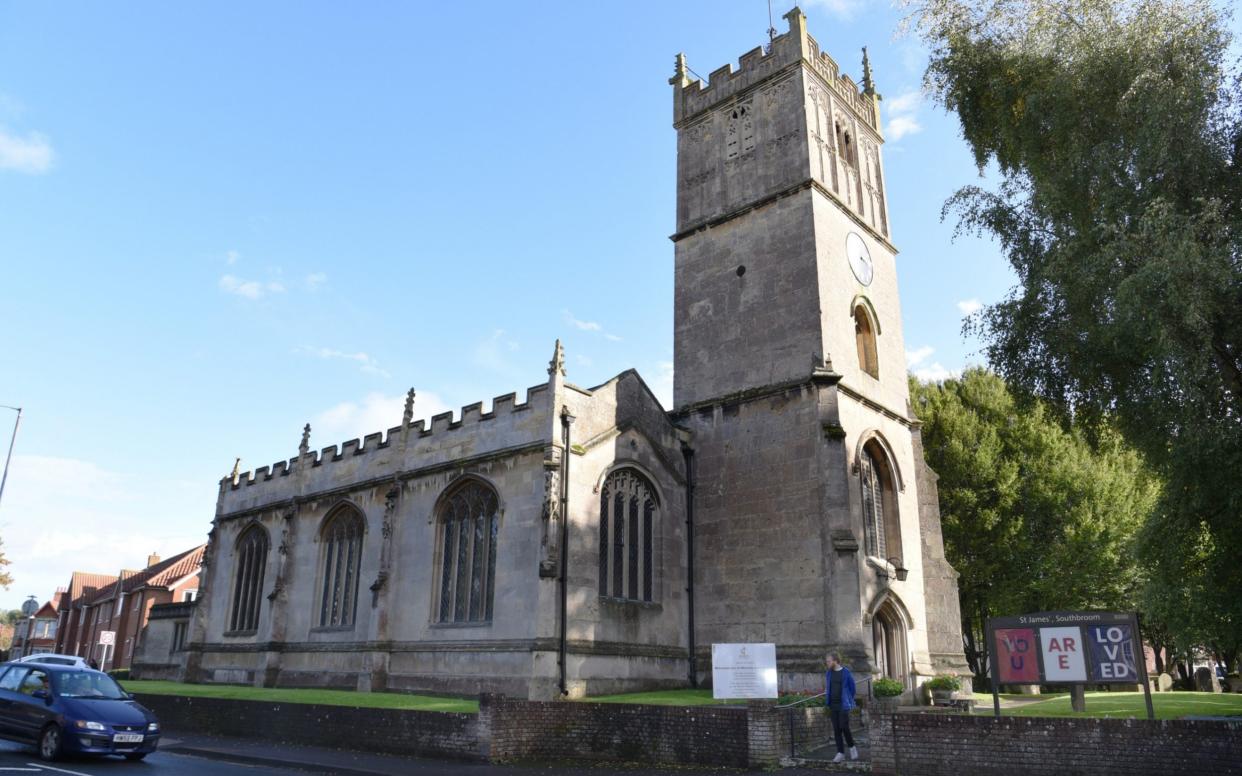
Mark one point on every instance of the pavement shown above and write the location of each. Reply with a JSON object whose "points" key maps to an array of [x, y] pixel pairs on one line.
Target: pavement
{"points": [[308, 759]]}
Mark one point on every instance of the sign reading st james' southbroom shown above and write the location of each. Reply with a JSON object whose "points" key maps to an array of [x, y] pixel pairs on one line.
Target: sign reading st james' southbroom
{"points": [[1067, 648]]}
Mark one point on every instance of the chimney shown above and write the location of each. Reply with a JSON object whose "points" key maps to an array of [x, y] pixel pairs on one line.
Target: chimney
{"points": [[152, 559]]}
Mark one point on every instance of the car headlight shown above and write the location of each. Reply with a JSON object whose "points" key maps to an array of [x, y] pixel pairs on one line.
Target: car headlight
{"points": [[90, 725], [154, 727]]}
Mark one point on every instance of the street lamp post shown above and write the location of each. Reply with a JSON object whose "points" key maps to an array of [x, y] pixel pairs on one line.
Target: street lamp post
{"points": [[12, 441], [899, 571]]}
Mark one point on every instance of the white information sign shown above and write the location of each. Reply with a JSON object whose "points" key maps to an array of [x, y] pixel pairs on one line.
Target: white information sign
{"points": [[107, 638], [744, 671]]}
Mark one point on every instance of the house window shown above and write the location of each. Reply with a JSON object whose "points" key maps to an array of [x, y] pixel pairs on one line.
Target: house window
{"points": [[342, 554], [188, 596], [627, 525], [469, 523], [251, 555], [179, 635], [879, 503], [864, 338]]}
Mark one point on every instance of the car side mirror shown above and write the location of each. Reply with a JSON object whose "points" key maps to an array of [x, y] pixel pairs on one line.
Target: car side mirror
{"points": [[41, 694]]}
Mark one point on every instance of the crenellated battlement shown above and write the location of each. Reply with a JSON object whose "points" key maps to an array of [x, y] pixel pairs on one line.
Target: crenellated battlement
{"points": [[692, 97], [410, 442]]}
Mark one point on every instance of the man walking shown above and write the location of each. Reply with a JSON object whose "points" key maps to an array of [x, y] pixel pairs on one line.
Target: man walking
{"points": [[839, 696]]}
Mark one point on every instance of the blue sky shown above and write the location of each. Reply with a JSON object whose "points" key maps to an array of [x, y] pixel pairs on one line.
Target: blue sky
{"points": [[220, 221]]}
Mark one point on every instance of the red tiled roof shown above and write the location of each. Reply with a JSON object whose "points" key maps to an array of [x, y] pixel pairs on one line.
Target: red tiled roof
{"points": [[176, 567], [84, 585]]}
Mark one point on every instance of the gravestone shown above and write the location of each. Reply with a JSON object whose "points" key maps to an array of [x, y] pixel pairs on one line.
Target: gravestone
{"points": [[1164, 683], [1205, 680]]}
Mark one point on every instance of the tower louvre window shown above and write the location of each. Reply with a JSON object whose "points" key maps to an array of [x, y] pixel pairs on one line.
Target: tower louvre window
{"points": [[342, 556], [740, 134], [881, 525], [251, 563], [864, 338], [470, 526], [628, 520]]}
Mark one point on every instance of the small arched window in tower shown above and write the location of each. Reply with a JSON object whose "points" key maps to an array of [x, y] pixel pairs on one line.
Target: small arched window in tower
{"points": [[879, 504], [341, 557], [740, 133], [628, 521], [864, 338], [250, 563], [469, 528]]}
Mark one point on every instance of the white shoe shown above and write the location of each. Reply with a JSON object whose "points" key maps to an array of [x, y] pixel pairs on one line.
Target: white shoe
{"points": [[853, 753], [840, 758]]}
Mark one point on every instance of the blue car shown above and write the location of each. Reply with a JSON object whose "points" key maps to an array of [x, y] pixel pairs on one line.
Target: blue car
{"points": [[70, 709]]}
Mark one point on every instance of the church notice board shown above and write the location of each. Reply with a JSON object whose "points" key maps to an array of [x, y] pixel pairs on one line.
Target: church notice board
{"points": [[1067, 648], [744, 671]]}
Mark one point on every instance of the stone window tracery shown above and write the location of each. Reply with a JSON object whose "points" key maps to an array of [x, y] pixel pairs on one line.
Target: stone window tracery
{"points": [[879, 504], [341, 558], [740, 134], [628, 519], [469, 528], [251, 563]]}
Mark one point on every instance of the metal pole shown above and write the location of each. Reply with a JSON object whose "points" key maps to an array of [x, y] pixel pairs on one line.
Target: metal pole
{"points": [[989, 633], [12, 441]]}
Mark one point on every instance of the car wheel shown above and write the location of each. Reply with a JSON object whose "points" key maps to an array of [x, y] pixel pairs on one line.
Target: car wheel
{"points": [[135, 756], [50, 743]]}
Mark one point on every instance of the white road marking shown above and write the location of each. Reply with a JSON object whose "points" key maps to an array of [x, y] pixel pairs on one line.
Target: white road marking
{"points": [[58, 770], [23, 770]]}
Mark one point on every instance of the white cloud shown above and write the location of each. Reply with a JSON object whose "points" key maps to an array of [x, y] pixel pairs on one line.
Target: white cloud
{"points": [[935, 372], [365, 362], [231, 257], [491, 353], [581, 325], [250, 289], [31, 154], [316, 279], [969, 306], [612, 338], [842, 9], [64, 514], [902, 113], [375, 412], [918, 356]]}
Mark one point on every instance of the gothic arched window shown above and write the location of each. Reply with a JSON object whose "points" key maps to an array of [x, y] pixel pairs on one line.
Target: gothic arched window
{"points": [[250, 563], [469, 527], [864, 338], [628, 521], [338, 570], [879, 503]]}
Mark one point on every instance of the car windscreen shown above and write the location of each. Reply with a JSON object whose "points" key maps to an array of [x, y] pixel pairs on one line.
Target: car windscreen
{"points": [[88, 685]]}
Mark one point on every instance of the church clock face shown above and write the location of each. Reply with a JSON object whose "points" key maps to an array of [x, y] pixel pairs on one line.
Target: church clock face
{"points": [[859, 258]]}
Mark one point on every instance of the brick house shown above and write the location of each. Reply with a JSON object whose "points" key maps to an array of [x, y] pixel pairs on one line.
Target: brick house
{"points": [[83, 585], [37, 634], [121, 605]]}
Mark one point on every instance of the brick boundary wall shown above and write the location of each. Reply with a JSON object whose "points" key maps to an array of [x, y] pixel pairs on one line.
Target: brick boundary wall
{"points": [[505, 729], [393, 731], [951, 744]]}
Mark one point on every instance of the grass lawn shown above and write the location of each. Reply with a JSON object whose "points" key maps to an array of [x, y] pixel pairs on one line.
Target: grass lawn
{"points": [[371, 700], [1168, 705], [664, 698]]}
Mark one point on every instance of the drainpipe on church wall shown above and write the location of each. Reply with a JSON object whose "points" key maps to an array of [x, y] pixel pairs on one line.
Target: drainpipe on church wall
{"points": [[567, 420], [688, 455]]}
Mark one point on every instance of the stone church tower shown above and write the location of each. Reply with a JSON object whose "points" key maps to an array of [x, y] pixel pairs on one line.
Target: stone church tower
{"points": [[816, 523]]}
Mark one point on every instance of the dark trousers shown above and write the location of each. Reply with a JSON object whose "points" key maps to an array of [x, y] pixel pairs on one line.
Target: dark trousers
{"points": [[841, 728]]}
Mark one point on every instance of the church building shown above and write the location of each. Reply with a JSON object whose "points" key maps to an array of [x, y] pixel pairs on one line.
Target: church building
{"points": [[578, 541]]}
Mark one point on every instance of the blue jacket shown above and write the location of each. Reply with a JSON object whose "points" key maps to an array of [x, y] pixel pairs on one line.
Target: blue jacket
{"points": [[847, 688]]}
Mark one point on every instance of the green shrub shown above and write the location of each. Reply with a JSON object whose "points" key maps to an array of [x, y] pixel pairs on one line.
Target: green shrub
{"points": [[120, 674], [887, 688], [944, 682]]}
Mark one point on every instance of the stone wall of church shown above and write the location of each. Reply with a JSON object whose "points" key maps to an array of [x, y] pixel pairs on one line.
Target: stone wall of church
{"points": [[395, 640], [618, 645], [769, 492]]}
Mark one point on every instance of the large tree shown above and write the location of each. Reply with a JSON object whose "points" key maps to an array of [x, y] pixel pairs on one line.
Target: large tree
{"points": [[1114, 130], [1035, 517]]}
